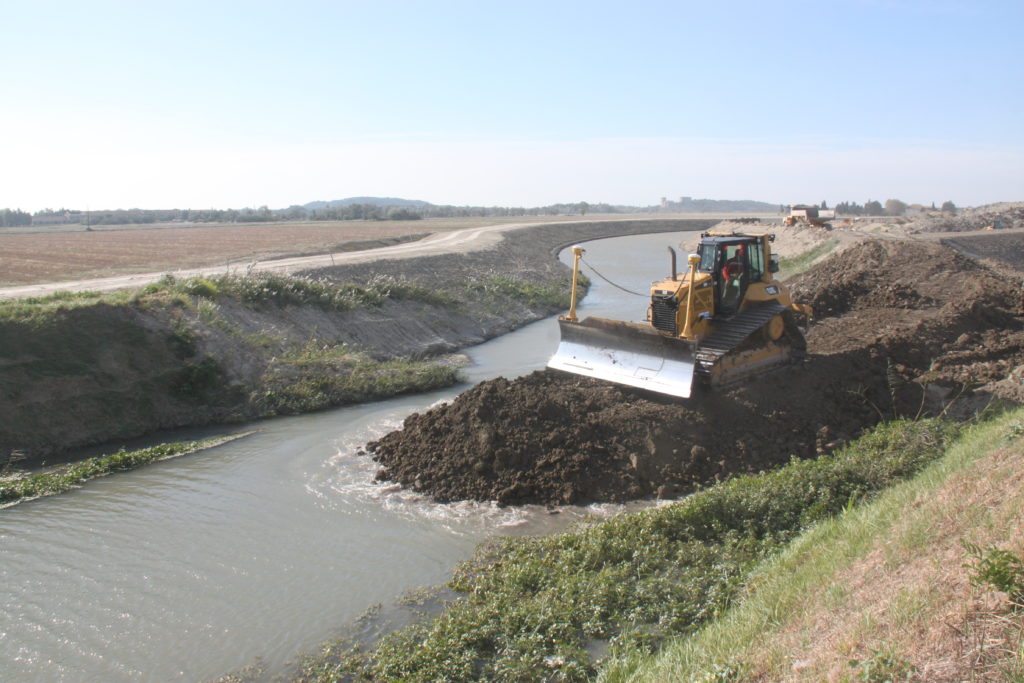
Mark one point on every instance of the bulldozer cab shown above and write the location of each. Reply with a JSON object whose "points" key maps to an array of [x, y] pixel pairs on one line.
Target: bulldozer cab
{"points": [[733, 262]]}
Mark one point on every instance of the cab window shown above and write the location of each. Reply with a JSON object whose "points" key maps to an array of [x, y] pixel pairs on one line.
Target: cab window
{"points": [[755, 258], [707, 258]]}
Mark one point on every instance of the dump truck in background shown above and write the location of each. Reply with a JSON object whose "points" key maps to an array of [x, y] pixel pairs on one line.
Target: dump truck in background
{"points": [[809, 215]]}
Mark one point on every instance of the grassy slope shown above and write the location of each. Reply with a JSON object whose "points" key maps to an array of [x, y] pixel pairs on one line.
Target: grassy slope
{"points": [[793, 266], [879, 592]]}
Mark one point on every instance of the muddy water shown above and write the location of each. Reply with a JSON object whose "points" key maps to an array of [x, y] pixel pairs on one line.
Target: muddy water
{"points": [[190, 568]]}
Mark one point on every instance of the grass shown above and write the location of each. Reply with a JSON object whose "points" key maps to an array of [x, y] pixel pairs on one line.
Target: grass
{"points": [[319, 376], [789, 267], [13, 491], [899, 560], [498, 288], [533, 609], [262, 290]]}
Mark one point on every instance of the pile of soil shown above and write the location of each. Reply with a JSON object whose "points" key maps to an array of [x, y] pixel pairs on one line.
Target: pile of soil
{"points": [[1001, 216], [904, 327]]}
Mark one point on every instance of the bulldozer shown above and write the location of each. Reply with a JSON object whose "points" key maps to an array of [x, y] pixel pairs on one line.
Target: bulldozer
{"points": [[724, 320]]}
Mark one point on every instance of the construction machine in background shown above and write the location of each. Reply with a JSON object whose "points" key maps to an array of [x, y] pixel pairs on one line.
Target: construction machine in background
{"points": [[810, 215], [726, 319]]}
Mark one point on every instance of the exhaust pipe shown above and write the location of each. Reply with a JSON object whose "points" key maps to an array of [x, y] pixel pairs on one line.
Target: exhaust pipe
{"points": [[672, 253]]}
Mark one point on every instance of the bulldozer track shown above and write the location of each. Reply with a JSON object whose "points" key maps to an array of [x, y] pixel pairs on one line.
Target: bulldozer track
{"points": [[731, 333]]}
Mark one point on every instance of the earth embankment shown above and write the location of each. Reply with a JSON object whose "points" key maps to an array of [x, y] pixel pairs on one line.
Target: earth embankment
{"points": [[78, 370], [904, 329]]}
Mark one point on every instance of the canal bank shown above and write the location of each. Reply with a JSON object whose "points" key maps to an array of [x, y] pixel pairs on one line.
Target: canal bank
{"points": [[83, 369]]}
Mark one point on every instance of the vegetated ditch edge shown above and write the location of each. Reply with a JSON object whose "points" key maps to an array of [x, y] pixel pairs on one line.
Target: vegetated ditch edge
{"points": [[534, 608]]}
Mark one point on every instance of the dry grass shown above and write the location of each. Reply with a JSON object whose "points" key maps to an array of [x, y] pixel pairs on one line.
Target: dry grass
{"points": [[909, 602]]}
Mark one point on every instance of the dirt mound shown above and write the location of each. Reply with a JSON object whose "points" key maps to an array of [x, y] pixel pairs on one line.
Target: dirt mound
{"points": [[936, 314], [905, 326], [1004, 215]]}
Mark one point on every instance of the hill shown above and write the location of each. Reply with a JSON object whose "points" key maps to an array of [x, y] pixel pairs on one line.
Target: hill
{"points": [[691, 205], [375, 201]]}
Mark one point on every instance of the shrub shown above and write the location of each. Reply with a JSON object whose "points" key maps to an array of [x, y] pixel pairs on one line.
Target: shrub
{"points": [[199, 286], [997, 569]]}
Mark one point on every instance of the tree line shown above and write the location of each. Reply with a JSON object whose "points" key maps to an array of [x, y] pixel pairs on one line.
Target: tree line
{"points": [[10, 218], [378, 212], [263, 214], [892, 207]]}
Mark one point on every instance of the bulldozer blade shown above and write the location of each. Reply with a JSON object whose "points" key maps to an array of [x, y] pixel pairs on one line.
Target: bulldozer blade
{"points": [[625, 353]]}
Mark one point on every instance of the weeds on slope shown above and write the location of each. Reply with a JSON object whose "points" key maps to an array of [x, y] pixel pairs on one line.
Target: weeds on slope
{"points": [[880, 589], [259, 290], [537, 608], [790, 267]]}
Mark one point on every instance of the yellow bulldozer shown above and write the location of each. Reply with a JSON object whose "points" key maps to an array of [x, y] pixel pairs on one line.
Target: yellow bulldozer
{"points": [[724, 320]]}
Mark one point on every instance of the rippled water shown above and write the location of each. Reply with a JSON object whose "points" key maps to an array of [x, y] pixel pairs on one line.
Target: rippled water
{"points": [[193, 567]]}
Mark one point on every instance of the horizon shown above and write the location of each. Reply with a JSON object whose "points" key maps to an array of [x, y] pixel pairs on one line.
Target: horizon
{"points": [[590, 205], [203, 105]]}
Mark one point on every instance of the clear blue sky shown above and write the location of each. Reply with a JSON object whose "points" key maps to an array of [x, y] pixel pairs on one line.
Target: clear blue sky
{"points": [[215, 104]]}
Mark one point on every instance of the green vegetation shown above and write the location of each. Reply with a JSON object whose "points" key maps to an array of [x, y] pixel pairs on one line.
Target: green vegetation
{"points": [[998, 569], [534, 608], [795, 265], [318, 377], [36, 308], [261, 290], [48, 483], [883, 666], [501, 288], [789, 591]]}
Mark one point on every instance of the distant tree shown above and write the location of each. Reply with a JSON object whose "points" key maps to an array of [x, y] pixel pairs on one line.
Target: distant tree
{"points": [[584, 207], [872, 208], [948, 207], [12, 218], [399, 214], [823, 204], [894, 207]]}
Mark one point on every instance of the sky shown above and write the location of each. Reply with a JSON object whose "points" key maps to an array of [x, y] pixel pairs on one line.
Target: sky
{"points": [[213, 104]]}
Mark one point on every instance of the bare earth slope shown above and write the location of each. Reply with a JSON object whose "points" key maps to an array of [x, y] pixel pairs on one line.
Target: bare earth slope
{"points": [[904, 328]]}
